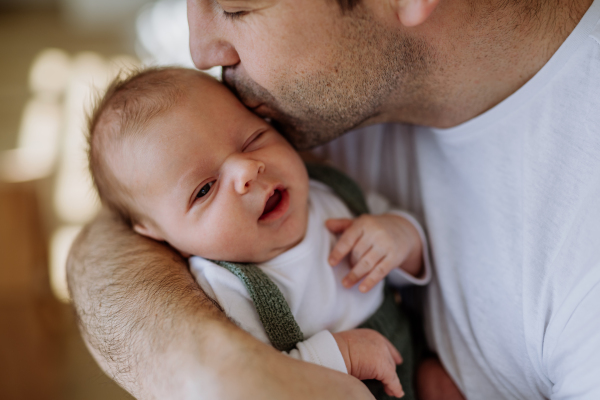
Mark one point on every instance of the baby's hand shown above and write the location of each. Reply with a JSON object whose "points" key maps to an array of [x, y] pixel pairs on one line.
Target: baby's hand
{"points": [[369, 355], [378, 244]]}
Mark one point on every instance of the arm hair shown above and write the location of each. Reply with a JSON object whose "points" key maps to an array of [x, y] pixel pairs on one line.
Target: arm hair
{"points": [[128, 292]]}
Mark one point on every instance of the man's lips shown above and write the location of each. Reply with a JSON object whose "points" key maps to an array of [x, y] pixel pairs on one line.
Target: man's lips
{"points": [[276, 205]]}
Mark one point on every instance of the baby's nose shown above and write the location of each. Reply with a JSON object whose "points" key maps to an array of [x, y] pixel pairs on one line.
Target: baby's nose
{"points": [[246, 172]]}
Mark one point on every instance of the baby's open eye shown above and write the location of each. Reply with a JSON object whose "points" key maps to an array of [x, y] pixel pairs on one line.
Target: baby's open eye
{"points": [[204, 190]]}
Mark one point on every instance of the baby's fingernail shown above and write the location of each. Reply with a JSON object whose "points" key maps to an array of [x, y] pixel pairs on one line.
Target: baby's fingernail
{"points": [[332, 261], [362, 288], [346, 282]]}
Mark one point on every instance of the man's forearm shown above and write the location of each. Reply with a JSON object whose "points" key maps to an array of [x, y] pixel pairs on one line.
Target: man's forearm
{"points": [[157, 334], [132, 295]]}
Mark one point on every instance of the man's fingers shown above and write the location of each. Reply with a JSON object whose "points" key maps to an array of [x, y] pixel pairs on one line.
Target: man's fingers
{"points": [[362, 267], [376, 274], [344, 245], [338, 225]]}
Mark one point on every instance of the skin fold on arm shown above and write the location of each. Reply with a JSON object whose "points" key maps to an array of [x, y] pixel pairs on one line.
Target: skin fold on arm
{"points": [[153, 330]]}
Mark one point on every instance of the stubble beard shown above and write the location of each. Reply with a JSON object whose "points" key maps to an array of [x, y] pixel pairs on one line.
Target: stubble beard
{"points": [[371, 68]]}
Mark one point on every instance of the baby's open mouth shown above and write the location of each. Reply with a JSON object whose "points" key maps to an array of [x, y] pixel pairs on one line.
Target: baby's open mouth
{"points": [[276, 205], [272, 202]]}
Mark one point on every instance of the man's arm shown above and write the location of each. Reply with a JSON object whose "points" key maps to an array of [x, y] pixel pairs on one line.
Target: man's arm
{"points": [[153, 330]]}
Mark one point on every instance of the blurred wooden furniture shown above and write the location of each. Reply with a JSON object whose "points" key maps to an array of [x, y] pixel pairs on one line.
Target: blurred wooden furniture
{"points": [[30, 317]]}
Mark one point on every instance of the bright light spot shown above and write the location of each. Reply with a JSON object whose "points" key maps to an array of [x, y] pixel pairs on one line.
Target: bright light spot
{"points": [[35, 155], [21, 165], [60, 243], [40, 125], [37, 145], [163, 35], [49, 72], [75, 200]]}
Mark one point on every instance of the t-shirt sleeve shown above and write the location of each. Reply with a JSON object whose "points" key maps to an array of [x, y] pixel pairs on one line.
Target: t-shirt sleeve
{"points": [[573, 364], [320, 349], [397, 277]]}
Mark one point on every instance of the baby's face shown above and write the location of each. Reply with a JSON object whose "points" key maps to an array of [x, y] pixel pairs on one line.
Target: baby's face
{"points": [[216, 180]]}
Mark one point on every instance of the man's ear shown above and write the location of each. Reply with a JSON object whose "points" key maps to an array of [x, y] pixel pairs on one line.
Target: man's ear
{"points": [[148, 231], [413, 12]]}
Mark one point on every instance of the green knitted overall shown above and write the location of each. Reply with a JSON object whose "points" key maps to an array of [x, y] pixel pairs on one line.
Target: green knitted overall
{"points": [[275, 314]]}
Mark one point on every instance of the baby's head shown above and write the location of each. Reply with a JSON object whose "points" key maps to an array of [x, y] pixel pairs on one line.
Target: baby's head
{"points": [[182, 160]]}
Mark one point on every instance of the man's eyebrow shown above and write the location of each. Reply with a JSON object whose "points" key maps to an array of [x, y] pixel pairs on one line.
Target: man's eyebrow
{"points": [[229, 2], [240, 3]]}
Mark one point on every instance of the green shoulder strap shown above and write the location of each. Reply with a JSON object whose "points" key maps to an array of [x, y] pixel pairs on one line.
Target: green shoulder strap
{"points": [[272, 308]]}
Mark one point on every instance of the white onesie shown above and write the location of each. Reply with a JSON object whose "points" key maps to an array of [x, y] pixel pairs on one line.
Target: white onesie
{"points": [[311, 287]]}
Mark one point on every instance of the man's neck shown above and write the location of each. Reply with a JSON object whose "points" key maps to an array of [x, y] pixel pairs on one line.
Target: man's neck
{"points": [[483, 55]]}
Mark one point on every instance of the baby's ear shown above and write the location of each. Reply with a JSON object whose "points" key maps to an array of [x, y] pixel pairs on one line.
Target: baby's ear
{"points": [[147, 231]]}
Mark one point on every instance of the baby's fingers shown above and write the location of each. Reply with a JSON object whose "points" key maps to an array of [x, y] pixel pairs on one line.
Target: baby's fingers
{"points": [[394, 390], [376, 274], [344, 245], [338, 225], [392, 384], [365, 264], [395, 353]]}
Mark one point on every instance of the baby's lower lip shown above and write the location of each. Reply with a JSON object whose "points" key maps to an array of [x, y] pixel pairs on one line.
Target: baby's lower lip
{"points": [[280, 209]]}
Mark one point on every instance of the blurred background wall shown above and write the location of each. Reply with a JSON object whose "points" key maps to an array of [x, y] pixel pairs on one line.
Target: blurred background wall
{"points": [[55, 57]]}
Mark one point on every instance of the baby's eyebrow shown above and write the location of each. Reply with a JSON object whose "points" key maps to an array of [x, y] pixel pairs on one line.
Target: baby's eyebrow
{"points": [[189, 180]]}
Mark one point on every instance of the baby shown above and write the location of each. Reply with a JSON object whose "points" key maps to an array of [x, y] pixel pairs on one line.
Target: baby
{"points": [[183, 161]]}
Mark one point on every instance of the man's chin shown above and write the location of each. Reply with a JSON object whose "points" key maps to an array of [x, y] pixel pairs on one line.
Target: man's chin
{"points": [[303, 137]]}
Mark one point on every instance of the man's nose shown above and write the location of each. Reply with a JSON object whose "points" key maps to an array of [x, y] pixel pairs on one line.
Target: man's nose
{"points": [[208, 46], [244, 172]]}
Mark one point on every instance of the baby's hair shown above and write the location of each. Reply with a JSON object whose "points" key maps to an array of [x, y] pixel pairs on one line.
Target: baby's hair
{"points": [[126, 108]]}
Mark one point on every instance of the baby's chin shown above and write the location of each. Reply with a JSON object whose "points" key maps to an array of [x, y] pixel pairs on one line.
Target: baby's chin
{"points": [[262, 256]]}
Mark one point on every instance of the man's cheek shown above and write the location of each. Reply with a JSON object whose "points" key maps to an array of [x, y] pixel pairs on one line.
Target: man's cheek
{"points": [[265, 68]]}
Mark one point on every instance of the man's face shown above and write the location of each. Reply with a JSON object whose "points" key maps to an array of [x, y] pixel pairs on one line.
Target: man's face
{"points": [[314, 70], [215, 180]]}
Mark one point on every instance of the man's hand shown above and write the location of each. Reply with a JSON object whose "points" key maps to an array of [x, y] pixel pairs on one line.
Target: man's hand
{"points": [[377, 244], [369, 355]]}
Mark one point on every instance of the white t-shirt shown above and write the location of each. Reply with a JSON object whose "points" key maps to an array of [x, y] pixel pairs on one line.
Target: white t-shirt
{"points": [[511, 204], [311, 287]]}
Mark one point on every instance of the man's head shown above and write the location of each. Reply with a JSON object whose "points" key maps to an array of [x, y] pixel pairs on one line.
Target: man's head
{"points": [[320, 67], [176, 153], [316, 67]]}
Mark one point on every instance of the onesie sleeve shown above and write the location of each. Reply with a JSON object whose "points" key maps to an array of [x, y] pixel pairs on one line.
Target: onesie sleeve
{"points": [[572, 356], [397, 277], [320, 349]]}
